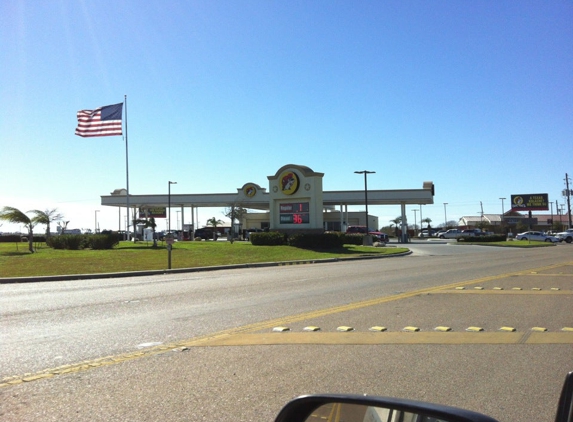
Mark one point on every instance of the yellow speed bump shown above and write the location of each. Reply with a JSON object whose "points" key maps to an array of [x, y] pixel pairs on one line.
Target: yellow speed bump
{"points": [[541, 329], [411, 329], [508, 329], [281, 329], [344, 328], [478, 288], [311, 328], [474, 329], [516, 288], [498, 288], [568, 329], [460, 288], [377, 328], [442, 329]]}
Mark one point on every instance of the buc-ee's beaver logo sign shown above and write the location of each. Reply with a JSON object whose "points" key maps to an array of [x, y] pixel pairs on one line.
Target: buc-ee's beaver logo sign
{"points": [[288, 182]]}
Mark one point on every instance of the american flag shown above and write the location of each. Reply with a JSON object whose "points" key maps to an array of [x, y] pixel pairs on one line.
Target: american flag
{"points": [[103, 121]]}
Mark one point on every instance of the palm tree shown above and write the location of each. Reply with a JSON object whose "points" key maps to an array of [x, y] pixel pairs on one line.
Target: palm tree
{"points": [[233, 213], [46, 217], [14, 215], [146, 224], [428, 221], [213, 222], [396, 221]]}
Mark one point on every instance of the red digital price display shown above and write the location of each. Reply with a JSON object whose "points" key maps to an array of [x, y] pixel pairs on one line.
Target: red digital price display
{"points": [[294, 213]]}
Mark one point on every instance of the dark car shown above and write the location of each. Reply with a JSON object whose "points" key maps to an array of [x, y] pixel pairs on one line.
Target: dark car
{"points": [[377, 236], [356, 229], [204, 233]]}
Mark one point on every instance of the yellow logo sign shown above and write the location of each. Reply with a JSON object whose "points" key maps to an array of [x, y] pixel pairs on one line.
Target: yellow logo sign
{"points": [[289, 182], [250, 191]]}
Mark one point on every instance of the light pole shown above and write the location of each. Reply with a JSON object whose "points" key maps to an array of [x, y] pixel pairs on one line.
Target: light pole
{"points": [[415, 222], [366, 173], [169, 235], [169, 205], [95, 231], [502, 213], [445, 217]]}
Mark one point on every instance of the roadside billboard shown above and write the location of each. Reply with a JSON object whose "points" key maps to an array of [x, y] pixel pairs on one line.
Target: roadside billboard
{"points": [[530, 202], [155, 212]]}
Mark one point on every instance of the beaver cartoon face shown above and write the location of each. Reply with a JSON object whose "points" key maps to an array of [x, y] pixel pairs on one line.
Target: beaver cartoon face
{"points": [[289, 182]]}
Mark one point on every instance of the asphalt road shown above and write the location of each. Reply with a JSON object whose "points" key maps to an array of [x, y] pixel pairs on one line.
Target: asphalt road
{"points": [[238, 344]]}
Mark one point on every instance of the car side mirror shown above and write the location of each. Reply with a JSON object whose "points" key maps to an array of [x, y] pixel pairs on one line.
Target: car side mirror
{"points": [[355, 408], [565, 406]]}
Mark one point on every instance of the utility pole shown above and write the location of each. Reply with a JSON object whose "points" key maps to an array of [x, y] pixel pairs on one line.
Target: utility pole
{"points": [[568, 192], [502, 215]]}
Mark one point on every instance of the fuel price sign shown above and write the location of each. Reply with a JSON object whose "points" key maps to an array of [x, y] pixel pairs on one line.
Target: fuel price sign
{"points": [[294, 213]]}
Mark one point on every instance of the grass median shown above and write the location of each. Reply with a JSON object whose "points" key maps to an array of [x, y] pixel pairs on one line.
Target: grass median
{"points": [[16, 261]]}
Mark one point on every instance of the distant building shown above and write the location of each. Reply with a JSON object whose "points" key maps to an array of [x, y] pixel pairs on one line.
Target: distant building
{"points": [[511, 220]]}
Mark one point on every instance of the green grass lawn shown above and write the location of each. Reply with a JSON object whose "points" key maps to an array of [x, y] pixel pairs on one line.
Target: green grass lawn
{"points": [[16, 261]]}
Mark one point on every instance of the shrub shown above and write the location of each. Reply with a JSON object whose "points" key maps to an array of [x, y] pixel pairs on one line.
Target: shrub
{"points": [[316, 240], [67, 241], [268, 239], [352, 239], [11, 238], [102, 241], [119, 236]]}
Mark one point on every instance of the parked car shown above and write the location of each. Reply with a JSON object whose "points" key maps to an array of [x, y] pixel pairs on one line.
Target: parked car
{"points": [[539, 236], [566, 236], [469, 232], [427, 233], [204, 233], [377, 236], [451, 234], [356, 229], [380, 237]]}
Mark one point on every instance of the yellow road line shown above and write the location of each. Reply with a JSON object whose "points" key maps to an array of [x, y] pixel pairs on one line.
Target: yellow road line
{"points": [[225, 335], [505, 292], [370, 338]]}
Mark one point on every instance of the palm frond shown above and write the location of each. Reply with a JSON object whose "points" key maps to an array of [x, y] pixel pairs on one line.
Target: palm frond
{"points": [[14, 215]]}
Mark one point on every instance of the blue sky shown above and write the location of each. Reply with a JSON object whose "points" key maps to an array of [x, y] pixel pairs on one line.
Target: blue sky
{"points": [[474, 96]]}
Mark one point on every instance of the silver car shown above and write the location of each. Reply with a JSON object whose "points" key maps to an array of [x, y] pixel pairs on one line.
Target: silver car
{"points": [[566, 236], [539, 236]]}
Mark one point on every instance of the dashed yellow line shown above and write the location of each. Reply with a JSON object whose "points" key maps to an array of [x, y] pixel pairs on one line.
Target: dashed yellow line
{"points": [[244, 335], [380, 338]]}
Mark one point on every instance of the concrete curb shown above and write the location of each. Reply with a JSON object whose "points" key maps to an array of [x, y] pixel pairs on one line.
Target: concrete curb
{"points": [[67, 277]]}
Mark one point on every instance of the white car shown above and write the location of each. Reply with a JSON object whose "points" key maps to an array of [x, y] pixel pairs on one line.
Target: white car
{"points": [[451, 234], [539, 236], [566, 236]]}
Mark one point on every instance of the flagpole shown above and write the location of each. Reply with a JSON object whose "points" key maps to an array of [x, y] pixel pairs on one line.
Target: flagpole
{"points": [[126, 166]]}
